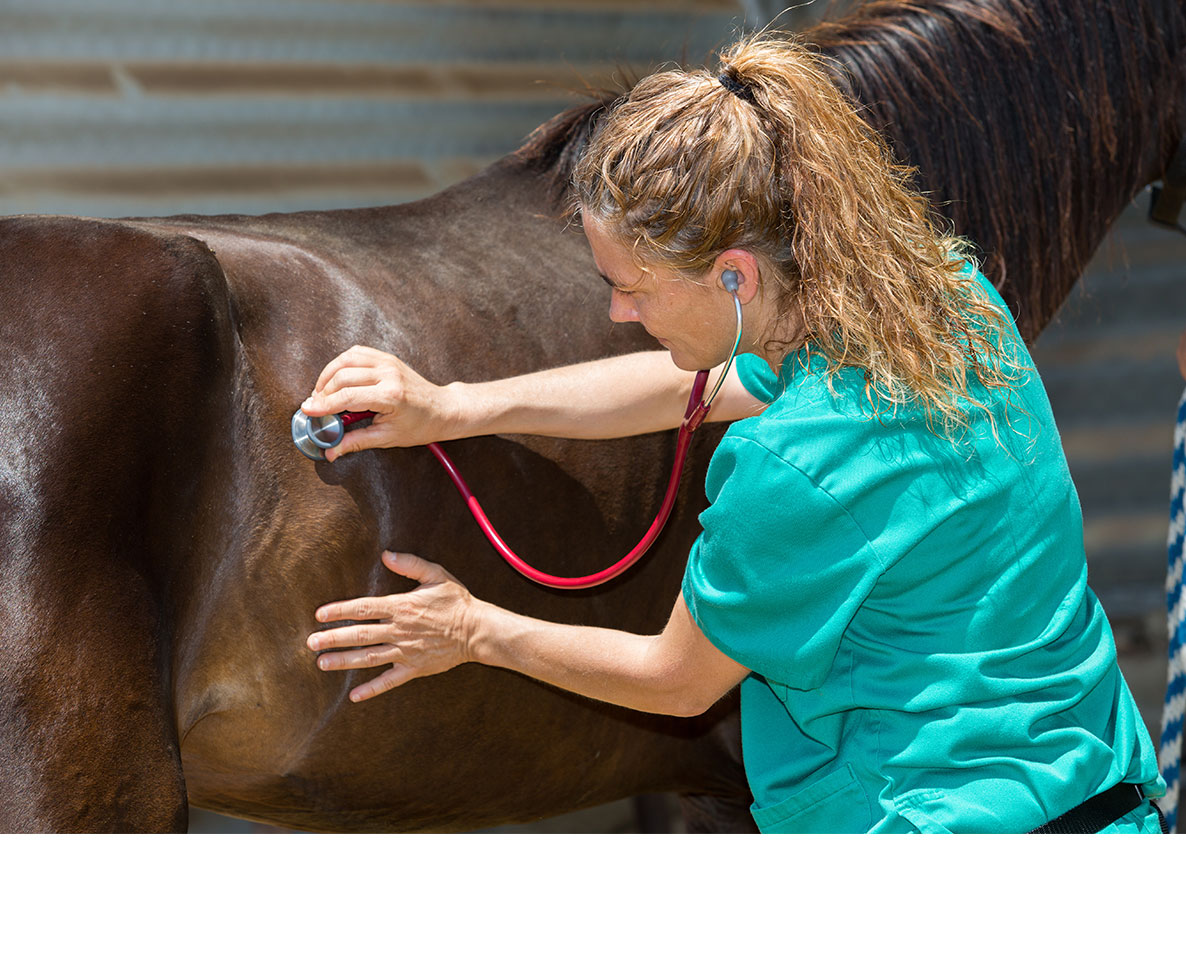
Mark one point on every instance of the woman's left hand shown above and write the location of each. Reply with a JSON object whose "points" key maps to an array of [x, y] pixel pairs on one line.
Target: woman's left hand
{"points": [[425, 631]]}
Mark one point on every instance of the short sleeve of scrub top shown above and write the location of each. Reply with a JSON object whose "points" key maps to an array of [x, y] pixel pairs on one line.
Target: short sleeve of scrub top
{"points": [[757, 377], [753, 577]]}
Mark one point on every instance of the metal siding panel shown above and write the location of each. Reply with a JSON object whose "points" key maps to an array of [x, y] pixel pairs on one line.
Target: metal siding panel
{"points": [[151, 131], [294, 30], [423, 91]]}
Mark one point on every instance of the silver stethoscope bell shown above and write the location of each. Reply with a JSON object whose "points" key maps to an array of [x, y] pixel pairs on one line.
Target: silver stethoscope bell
{"points": [[313, 435]]}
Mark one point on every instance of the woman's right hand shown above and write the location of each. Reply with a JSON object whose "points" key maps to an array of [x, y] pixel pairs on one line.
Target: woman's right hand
{"points": [[408, 409]]}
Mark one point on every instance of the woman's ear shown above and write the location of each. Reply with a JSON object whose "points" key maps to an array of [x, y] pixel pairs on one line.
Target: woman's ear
{"points": [[739, 268]]}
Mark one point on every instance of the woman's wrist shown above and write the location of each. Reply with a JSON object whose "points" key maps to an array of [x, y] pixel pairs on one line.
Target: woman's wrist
{"points": [[486, 632], [466, 411], [511, 406]]}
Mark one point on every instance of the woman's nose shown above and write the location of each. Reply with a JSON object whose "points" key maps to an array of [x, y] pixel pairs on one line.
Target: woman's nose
{"points": [[622, 308]]}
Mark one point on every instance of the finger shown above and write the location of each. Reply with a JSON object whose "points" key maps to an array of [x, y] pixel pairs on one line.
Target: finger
{"points": [[355, 635], [363, 608], [372, 656], [347, 358], [351, 398], [354, 357], [421, 570], [384, 682], [351, 377], [361, 439]]}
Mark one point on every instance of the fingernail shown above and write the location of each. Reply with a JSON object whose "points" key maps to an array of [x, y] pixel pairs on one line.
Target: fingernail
{"points": [[323, 663], [308, 402], [313, 641]]}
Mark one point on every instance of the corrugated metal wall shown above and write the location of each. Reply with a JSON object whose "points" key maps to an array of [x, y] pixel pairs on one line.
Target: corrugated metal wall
{"points": [[120, 107]]}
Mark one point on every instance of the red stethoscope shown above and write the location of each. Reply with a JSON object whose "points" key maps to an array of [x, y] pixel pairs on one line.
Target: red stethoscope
{"points": [[313, 435]]}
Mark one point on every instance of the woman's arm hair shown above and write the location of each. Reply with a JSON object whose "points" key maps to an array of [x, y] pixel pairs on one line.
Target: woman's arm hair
{"points": [[439, 625], [611, 398]]}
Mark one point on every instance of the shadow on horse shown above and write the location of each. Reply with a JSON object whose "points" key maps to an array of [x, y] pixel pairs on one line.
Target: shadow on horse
{"points": [[163, 545]]}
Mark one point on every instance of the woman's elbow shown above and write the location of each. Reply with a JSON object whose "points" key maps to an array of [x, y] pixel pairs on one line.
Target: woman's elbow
{"points": [[688, 678], [691, 700]]}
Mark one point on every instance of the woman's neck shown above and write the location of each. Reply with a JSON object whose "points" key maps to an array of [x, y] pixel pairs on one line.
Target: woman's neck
{"points": [[769, 332]]}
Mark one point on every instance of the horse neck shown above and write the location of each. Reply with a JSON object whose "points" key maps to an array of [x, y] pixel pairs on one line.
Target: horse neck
{"points": [[1039, 120]]}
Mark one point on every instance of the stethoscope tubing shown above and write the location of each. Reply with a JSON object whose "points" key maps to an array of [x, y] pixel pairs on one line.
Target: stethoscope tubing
{"points": [[695, 413]]}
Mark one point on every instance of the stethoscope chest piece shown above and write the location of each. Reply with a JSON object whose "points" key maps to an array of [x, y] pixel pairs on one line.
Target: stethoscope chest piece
{"points": [[313, 435]]}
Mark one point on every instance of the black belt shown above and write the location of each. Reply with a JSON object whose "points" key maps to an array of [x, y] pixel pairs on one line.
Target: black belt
{"points": [[1097, 812]]}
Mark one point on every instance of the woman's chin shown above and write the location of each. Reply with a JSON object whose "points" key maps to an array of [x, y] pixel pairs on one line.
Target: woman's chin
{"points": [[689, 362]]}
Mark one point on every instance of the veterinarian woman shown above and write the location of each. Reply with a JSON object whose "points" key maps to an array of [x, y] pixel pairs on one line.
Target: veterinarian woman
{"points": [[892, 562]]}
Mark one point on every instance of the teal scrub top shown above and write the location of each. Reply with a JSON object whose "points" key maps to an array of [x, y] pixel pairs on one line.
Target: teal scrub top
{"points": [[926, 654]]}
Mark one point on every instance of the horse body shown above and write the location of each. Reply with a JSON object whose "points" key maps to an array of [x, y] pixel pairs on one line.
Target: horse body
{"points": [[233, 538], [460, 747], [163, 545]]}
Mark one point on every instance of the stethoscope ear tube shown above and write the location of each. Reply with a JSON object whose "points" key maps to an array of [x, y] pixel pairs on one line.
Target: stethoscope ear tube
{"points": [[698, 406]]}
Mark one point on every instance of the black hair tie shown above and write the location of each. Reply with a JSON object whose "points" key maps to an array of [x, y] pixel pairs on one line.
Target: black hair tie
{"points": [[737, 87]]}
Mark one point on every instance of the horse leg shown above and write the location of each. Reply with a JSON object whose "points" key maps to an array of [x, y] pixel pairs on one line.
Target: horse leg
{"points": [[717, 814], [108, 331], [86, 740]]}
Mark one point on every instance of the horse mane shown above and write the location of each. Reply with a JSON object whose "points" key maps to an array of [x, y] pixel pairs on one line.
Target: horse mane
{"points": [[555, 146], [1030, 124]]}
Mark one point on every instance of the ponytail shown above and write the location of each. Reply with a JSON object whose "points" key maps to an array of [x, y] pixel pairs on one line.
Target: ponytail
{"points": [[766, 154]]}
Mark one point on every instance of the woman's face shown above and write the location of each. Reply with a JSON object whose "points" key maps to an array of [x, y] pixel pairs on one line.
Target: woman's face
{"points": [[693, 319]]}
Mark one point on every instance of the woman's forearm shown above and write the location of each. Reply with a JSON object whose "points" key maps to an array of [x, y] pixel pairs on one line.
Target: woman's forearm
{"points": [[605, 664], [610, 398], [439, 625], [608, 665]]}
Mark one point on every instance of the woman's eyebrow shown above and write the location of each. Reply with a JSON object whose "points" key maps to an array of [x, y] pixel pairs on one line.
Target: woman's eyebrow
{"points": [[616, 286]]}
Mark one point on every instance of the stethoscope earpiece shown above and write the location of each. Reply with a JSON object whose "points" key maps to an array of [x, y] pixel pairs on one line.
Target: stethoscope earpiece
{"points": [[730, 280]]}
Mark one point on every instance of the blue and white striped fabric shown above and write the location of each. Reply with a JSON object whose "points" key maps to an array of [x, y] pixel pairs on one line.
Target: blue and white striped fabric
{"points": [[1169, 756]]}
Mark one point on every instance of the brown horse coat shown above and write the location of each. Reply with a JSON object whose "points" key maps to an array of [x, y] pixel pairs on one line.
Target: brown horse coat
{"points": [[163, 545]]}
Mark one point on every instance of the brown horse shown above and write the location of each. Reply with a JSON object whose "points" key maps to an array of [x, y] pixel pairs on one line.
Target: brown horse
{"points": [[164, 545]]}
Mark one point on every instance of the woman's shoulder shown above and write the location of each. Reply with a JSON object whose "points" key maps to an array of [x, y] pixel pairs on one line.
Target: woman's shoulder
{"points": [[809, 427]]}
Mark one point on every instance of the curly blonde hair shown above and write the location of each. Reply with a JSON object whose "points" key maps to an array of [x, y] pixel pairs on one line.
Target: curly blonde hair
{"points": [[769, 156]]}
